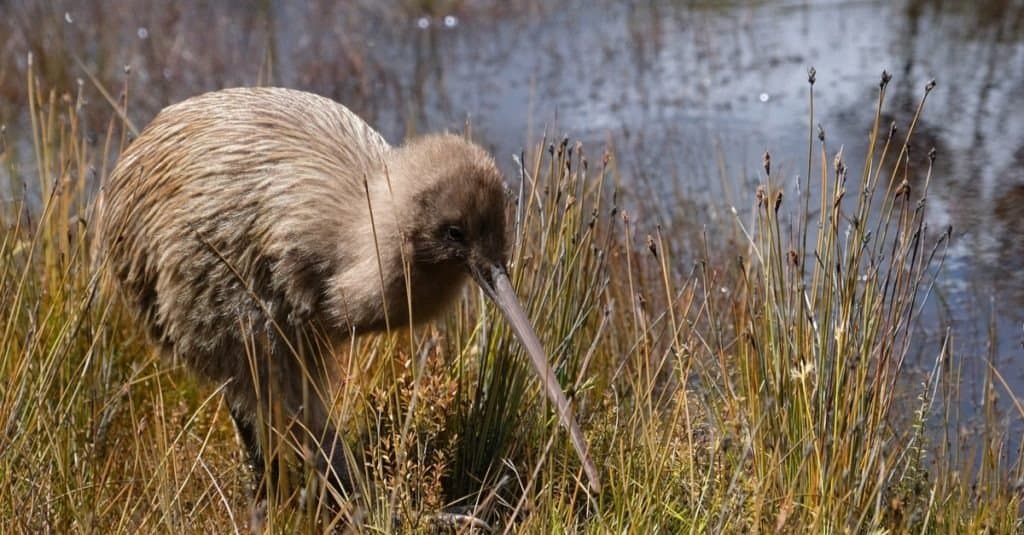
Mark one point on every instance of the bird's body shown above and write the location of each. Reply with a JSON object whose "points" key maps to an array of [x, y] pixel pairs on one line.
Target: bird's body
{"points": [[252, 230]]}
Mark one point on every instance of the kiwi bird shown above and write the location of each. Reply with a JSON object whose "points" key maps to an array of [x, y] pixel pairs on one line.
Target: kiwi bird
{"points": [[253, 230]]}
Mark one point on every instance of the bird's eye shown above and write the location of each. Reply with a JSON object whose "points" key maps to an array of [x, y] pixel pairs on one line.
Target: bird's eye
{"points": [[454, 234]]}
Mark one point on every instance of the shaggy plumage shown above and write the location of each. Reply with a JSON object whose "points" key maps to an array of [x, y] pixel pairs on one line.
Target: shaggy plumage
{"points": [[253, 230]]}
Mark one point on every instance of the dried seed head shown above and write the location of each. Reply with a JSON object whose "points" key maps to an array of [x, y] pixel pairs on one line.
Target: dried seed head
{"points": [[885, 79], [767, 163], [838, 198], [892, 129], [811, 75], [794, 258], [931, 155], [904, 188], [778, 200], [652, 246], [929, 86], [761, 196], [821, 133]]}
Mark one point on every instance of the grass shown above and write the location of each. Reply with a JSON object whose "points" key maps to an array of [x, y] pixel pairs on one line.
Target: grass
{"points": [[757, 384]]}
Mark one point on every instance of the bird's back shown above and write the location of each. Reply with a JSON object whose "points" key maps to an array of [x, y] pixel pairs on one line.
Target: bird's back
{"points": [[226, 212]]}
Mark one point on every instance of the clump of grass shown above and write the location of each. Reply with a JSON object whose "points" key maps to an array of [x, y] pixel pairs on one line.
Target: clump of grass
{"points": [[95, 435], [763, 394], [823, 337]]}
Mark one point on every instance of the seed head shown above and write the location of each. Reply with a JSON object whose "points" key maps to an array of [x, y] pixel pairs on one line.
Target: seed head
{"points": [[885, 79]]}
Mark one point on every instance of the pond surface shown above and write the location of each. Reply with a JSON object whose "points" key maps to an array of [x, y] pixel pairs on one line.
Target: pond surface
{"points": [[675, 87]]}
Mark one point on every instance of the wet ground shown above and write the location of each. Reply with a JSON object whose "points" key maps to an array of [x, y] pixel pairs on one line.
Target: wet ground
{"points": [[676, 87]]}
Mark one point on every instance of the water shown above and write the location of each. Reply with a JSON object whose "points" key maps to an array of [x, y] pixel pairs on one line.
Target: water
{"points": [[671, 85]]}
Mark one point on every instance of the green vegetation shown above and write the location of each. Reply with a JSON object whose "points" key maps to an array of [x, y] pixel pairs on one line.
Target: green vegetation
{"points": [[759, 387]]}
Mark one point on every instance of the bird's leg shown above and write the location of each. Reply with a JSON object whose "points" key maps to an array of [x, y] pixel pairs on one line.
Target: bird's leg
{"points": [[263, 479], [261, 408], [307, 365], [329, 458], [254, 453], [317, 436], [250, 441]]}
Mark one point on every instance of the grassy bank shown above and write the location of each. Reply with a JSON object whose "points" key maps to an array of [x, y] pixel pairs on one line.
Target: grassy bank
{"points": [[756, 383]]}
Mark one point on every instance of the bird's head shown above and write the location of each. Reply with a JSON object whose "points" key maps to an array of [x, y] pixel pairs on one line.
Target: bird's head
{"points": [[456, 215], [458, 221]]}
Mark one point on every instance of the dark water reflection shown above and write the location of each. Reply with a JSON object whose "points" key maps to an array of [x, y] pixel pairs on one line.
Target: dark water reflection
{"points": [[676, 87]]}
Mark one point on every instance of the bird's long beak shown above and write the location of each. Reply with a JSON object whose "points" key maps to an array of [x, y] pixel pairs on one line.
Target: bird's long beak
{"points": [[493, 279]]}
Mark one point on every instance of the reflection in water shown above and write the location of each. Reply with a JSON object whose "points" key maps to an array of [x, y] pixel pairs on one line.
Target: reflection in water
{"points": [[686, 93]]}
